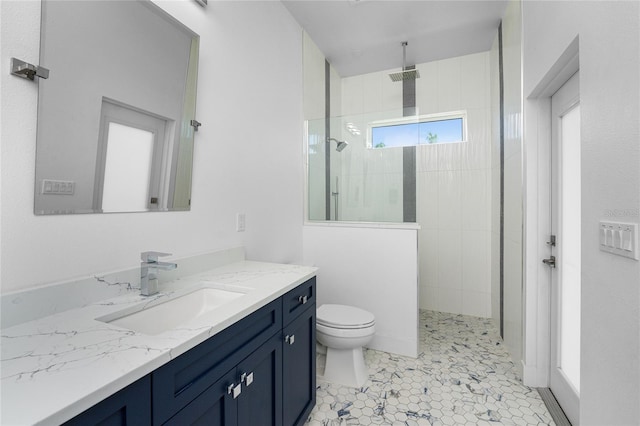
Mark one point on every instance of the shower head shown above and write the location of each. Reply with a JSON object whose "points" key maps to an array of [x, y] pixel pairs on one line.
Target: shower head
{"points": [[340, 144], [405, 74]]}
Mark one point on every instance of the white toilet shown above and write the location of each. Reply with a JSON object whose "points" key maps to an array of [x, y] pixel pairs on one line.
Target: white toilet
{"points": [[344, 330]]}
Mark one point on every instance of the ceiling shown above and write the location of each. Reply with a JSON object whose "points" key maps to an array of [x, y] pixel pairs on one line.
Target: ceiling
{"points": [[363, 36]]}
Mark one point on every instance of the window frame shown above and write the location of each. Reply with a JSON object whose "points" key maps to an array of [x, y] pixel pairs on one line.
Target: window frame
{"points": [[413, 119]]}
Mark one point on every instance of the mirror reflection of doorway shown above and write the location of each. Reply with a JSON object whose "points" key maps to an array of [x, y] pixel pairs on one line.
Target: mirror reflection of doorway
{"points": [[129, 167]]}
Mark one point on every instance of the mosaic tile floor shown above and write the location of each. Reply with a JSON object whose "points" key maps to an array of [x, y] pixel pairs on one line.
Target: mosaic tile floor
{"points": [[462, 376]]}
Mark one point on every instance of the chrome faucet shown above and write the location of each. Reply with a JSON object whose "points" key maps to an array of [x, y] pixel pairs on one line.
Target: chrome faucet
{"points": [[149, 271]]}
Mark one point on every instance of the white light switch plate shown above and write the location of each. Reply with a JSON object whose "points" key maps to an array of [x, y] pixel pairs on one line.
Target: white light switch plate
{"points": [[58, 187], [619, 238], [241, 222]]}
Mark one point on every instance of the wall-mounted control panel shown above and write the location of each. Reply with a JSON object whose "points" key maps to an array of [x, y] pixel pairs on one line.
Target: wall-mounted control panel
{"points": [[58, 187], [620, 238]]}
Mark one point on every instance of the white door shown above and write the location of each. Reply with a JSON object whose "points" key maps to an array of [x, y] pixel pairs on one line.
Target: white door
{"points": [[564, 375]]}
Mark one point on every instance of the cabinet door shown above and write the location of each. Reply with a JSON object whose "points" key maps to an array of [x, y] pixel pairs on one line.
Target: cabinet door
{"points": [[131, 406], [261, 375], [299, 368], [214, 407]]}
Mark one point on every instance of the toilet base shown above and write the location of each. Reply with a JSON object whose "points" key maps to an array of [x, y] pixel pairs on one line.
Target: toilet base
{"points": [[346, 367]]}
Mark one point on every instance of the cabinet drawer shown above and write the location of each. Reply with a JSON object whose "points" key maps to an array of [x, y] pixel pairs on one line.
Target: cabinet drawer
{"points": [[180, 381], [297, 300]]}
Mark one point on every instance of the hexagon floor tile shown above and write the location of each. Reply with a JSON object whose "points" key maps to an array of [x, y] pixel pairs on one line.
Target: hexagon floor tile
{"points": [[463, 376]]}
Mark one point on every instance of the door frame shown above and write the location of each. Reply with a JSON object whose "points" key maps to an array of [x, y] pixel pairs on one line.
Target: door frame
{"points": [[537, 225]]}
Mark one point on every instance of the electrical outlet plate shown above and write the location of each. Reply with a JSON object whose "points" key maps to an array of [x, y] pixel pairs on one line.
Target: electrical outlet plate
{"points": [[620, 239]]}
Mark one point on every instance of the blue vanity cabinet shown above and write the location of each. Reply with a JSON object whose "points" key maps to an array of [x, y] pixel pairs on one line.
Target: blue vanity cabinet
{"points": [[299, 353], [130, 406], [179, 382]]}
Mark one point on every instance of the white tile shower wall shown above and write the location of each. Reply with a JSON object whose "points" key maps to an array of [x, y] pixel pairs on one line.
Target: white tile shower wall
{"points": [[454, 190]]}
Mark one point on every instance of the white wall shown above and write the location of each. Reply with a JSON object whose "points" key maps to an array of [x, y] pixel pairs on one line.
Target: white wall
{"points": [[610, 131], [247, 153], [372, 268]]}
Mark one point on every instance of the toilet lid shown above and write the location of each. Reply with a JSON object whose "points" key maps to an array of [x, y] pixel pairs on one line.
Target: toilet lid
{"points": [[341, 316]]}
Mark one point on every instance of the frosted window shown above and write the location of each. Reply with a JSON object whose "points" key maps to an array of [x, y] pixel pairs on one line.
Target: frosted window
{"points": [[571, 248], [127, 169]]}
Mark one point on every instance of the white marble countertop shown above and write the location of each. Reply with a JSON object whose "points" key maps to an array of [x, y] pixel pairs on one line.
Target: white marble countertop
{"points": [[56, 367]]}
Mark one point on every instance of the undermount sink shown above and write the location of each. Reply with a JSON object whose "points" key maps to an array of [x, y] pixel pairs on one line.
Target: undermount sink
{"points": [[172, 313]]}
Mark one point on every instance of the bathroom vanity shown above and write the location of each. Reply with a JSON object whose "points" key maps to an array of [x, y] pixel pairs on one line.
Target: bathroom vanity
{"points": [[259, 371], [250, 361]]}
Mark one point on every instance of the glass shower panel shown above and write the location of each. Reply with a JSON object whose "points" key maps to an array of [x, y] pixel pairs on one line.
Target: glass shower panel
{"points": [[360, 182], [316, 169]]}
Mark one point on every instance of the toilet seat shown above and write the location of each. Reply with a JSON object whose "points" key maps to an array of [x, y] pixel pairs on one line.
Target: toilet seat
{"points": [[344, 317]]}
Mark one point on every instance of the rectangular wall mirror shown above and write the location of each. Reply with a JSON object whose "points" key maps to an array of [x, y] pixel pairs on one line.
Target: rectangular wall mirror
{"points": [[115, 129]]}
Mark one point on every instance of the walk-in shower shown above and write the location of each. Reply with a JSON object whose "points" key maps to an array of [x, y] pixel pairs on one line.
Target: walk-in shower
{"points": [[364, 183]]}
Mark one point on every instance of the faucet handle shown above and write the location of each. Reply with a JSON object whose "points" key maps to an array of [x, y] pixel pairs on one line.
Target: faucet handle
{"points": [[152, 256]]}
